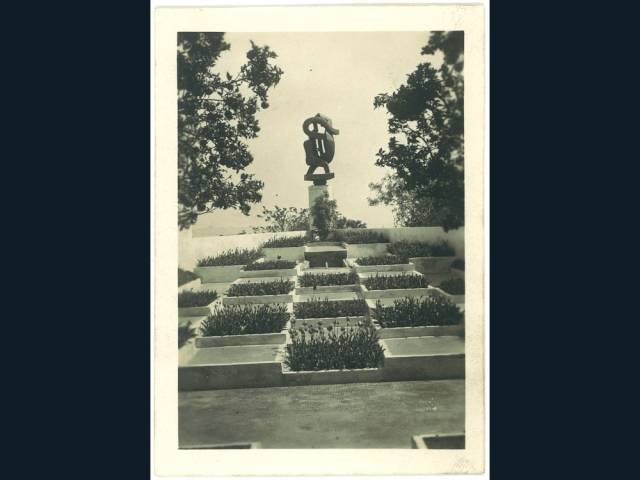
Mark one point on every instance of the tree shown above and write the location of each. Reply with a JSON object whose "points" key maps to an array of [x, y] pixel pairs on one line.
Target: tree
{"points": [[283, 219], [324, 212], [426, 147], [215, 115], [344, 222]]}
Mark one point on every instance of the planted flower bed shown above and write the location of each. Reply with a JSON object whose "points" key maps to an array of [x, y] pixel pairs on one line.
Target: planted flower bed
{"points": [[195, 303], [278, 291], [454, 288], [327, 279], [419, 316], [326, 308], [379, 286], [380, 263], [269, 268], [286, 242], [314, 349], [427, 257], [387, 282], [244, 325], [380, 260], [226, 266]]}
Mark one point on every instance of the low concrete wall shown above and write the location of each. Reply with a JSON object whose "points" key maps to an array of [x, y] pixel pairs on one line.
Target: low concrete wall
{"points": [[283, 272], [242, 375], [455, 238], [192, 247], [432, 264], [330, 377], [240, 340], [284, 253], [395, 292], [425, 331], [366, 249], [222, 274], [258, 299], [424, 367]]}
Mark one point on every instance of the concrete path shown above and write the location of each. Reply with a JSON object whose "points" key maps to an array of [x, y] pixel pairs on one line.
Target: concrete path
{"points": [[365, 415]]}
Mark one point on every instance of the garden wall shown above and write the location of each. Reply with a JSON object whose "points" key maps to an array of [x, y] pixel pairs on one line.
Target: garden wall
{"points": [[191, 248]]}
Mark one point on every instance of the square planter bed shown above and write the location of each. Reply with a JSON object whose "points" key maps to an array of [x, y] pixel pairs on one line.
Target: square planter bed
{"points": [[447, 441], [401, 318], [326, 308], [313, 359], [240, 292], [432, 264], [197, 310], [319, 282], [388, 281], [247, 339], [256, 269], [219, 274], [245, 325]]}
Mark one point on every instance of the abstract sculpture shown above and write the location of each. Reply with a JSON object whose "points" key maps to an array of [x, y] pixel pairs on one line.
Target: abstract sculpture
{"points": [[319, 148]]}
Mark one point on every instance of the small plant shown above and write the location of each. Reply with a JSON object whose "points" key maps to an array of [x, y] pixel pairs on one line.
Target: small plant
{"points": [[284, 242], [185, 334], [245, 319], [190, 298], [325, 279], [458, 264], [359, 236], [380, 260], [420, 311], [231, 257], [313, 349], [185, 276], [315, 308], [270, 265], [277, 287], [454, 286], [388, 282], [407, 250]]}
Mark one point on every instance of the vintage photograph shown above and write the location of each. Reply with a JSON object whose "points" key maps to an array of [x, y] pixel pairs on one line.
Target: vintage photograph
{"points": [[321, 199]]}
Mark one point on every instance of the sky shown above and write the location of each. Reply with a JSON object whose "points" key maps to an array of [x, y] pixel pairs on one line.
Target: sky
{"points": [[337, 74]]}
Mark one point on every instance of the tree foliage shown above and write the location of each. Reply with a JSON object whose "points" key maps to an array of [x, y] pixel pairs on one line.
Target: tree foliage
{"points": [[216, 114], [426, 146], [283, 219], [290, 219]]}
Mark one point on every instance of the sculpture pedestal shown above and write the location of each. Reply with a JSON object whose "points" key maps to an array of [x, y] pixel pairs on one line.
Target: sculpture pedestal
{"points": [[316, 191]]}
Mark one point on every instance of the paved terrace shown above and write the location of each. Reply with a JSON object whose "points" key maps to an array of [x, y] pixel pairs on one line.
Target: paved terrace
{"points": [[363, 415]]}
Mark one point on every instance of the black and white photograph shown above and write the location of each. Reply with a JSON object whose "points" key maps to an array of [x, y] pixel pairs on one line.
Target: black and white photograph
{"points": [[326, 204]]}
